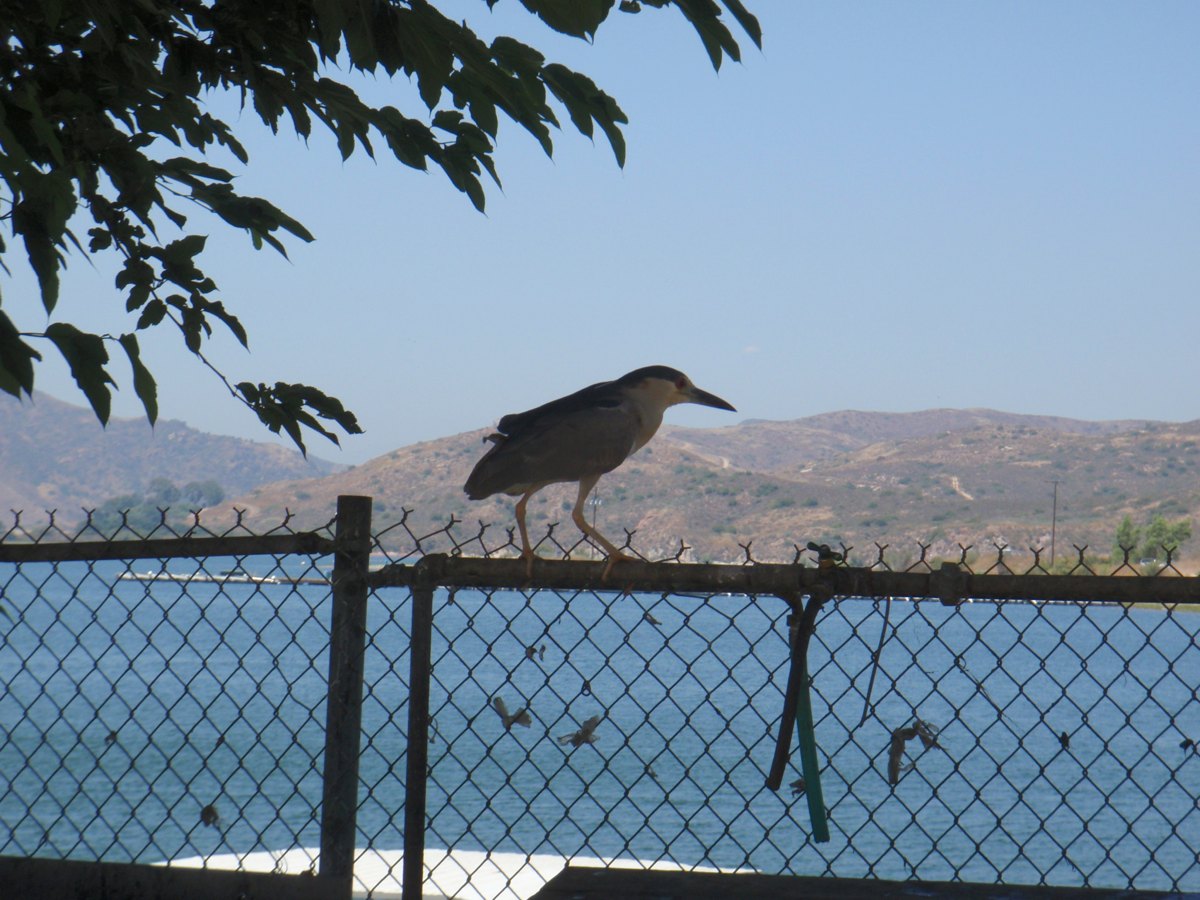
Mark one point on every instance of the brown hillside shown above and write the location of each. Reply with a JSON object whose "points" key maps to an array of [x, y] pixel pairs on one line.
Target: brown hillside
{"points": [[768, 446], [975, 478]]}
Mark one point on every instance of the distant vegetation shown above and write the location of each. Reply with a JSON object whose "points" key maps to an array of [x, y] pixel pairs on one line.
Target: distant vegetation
{"points": [[161, 502], [55, 456], [1152, 541]]}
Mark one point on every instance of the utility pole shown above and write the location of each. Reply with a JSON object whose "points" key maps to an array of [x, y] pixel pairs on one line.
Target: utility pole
{"points": [[1053, 520]]}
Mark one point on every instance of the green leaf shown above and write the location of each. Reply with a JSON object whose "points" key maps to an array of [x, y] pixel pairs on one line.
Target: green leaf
{"points": [[286, 407], [183, 169], [101, 239], [578, 18], [330, 19], [26, 97], [216, 308], [194, 327], [40, 217], [420, 36], [358, 31], [16, 360], [490, 165], [138, 295], [746, 19], [410, 141], [86, 357], [152, 314], [254, 214], [447, 120], [345, 141], [517, 57], [136, 271], [585, 102], [474, 190], [143, 381], [484, 114], [185, 248], [705, 18]]}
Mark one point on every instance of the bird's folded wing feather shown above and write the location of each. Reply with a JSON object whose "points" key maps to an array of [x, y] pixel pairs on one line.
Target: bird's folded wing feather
{"points": [[600, 394], [556, 448]]}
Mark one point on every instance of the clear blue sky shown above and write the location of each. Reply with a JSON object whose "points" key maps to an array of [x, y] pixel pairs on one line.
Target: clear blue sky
{"points": [[894, 206]]}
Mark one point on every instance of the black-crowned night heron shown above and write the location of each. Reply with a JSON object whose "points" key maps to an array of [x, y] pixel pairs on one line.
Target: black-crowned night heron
{"points": [[578, 438]]}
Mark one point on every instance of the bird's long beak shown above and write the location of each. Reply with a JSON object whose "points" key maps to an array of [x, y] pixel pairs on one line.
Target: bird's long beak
{"points": [[704, 398]]}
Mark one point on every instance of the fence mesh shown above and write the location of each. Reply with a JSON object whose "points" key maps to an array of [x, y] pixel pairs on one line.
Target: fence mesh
{"points": [[1061, 749], [167, 710], [160, 709]]}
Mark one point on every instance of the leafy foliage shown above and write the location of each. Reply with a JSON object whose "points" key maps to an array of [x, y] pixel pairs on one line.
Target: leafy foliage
{"points": [[161, 502], [1151, 541], [92, 93]]}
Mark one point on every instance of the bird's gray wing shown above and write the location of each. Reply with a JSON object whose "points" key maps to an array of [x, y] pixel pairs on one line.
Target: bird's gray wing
{"points": [[603, 393], [556, 448]]}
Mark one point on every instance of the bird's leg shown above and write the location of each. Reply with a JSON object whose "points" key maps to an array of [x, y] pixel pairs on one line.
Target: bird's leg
{"points": [[527, 553], [585, 488]]}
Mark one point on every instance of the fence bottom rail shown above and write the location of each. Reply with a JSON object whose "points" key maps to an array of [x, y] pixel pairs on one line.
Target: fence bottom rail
{"points": [[594, 883], [69, 879]]}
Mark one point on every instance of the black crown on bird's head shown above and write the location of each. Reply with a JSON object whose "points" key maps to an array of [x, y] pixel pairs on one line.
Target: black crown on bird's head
{"points": [[665, 373]]}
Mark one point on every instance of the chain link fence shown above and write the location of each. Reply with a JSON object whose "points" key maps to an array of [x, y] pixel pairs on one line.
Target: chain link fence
{"points": [[971, 722], [160, 708]]}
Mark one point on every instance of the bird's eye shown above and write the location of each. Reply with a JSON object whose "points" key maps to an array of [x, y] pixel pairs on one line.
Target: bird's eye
{"points": [[680, 383]]}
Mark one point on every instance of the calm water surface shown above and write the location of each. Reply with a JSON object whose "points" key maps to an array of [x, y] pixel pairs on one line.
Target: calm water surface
{"points": [[128, 707]]}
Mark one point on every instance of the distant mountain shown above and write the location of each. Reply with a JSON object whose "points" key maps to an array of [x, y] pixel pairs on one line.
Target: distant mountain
{"points": [[54, 455], [943, 477], [975, 478], [768, 446]]}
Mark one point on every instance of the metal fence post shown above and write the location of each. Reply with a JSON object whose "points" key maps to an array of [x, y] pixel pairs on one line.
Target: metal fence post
{"points": [[416, 775], [343, 711]]}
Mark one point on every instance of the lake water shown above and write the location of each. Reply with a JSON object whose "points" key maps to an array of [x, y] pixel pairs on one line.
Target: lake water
{"points": [[130, 707]]}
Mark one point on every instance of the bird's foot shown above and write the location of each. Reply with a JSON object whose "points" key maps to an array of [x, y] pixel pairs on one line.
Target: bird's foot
{"points": [[613, 559]]}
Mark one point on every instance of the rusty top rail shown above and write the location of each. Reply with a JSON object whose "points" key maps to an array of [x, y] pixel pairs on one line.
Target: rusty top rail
{"points": [[950, 583], [308, 543]]}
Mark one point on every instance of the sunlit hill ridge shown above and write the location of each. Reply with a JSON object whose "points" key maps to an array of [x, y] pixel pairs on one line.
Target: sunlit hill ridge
{"points": [[941, 477], [944, 478]]}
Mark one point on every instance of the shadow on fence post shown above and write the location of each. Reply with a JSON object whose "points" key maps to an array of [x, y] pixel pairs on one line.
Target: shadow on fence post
{"points": [[343, 712]]}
